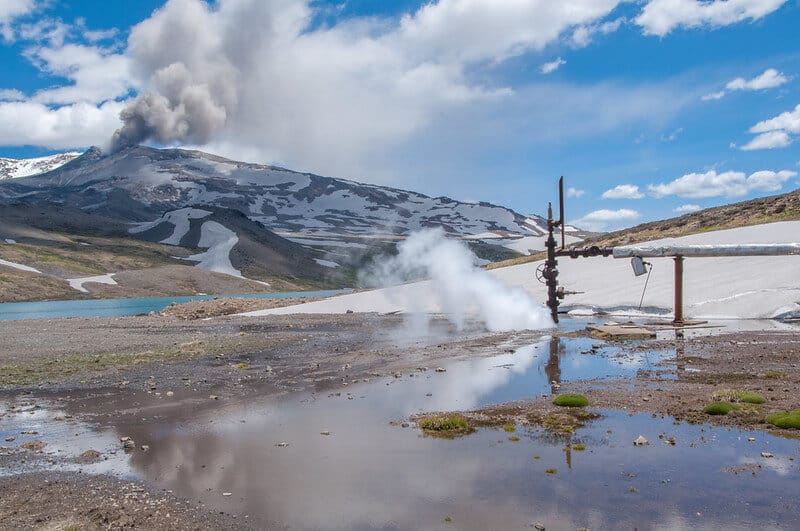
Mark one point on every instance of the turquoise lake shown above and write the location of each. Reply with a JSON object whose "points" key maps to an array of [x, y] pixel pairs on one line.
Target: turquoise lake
{"points": [[12, 311]]}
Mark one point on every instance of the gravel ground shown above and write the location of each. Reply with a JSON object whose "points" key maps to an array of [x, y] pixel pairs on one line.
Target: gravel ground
{"points": [[95, 366]]}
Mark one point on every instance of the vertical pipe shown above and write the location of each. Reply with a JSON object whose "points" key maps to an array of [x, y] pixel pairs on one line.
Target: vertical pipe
{"points": [[550, 272], [678, 290], [561, 208]]}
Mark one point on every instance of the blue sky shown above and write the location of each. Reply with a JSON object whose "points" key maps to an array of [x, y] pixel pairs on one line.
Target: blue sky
{"points": [[648, 108]]}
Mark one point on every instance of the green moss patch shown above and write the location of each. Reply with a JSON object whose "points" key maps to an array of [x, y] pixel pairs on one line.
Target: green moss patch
{"points": [[579, 447], [776, 374], [571, 400], [510, 428], [749, 397], [785, 419], [720, 408], [445, 425]]}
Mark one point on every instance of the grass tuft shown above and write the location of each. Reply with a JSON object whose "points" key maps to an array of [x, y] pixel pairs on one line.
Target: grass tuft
{"points": [[510, 428], [444, 425], [720, 408], [749, 397], [785, 419], [579, 447], [571, 400]]}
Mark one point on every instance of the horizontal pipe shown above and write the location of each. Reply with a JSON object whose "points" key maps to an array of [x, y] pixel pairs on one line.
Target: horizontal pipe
{"points": [[749, 249]]}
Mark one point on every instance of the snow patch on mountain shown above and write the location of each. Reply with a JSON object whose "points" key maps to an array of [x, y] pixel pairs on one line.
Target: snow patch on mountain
{"points": [[13, 168], [219, 241], [326, 263], [21, 267], [77, 283], [180, 219]]}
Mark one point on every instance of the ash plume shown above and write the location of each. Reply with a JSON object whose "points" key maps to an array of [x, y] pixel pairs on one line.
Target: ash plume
{"points": [[191, 82], [458, 287]]}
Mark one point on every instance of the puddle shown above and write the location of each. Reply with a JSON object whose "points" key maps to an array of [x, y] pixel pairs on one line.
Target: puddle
{"points": [[333, 461]]}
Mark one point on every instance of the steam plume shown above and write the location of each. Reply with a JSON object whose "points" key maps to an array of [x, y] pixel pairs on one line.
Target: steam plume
{"points": [[460, 289]]}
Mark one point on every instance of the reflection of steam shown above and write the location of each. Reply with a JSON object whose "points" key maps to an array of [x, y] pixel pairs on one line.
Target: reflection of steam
{"points": [[459, 288]]}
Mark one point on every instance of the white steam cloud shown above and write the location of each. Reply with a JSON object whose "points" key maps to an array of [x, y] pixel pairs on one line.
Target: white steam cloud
{"points": [[460, 289]]}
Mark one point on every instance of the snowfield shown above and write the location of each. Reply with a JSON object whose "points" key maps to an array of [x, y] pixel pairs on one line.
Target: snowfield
{"points": [[219, 241], [748, 287], [77, 283]]}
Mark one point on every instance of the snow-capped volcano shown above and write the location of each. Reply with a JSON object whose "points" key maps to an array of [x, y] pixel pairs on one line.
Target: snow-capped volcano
{"points": [[141, 184], [11, 168]]}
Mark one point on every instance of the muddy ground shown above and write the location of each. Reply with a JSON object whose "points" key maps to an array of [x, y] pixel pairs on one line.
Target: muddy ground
{"points": [[131, 366]]}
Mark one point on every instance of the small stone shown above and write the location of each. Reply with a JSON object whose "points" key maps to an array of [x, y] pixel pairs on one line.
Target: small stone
{"points": [[282, 444], [404, 425], [751, 439], [428, 394], [766, 454], [34, 446], [145, 447], [213, 397], [538, 527], [89, 455], [10, 439], [441, 369], [641, 441], [324, 433], [227, 494], [645, 399], [170, 393]]}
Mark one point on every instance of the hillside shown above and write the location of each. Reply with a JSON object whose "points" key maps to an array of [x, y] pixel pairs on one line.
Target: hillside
{"points": [[13, 168]]}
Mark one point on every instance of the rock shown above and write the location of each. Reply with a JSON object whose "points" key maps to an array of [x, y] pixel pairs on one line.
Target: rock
{"points": [[751, 439], [282, 444], [227, 494], [404, 425], [213, 397], [170, 393], [89, 455], [10, 439], [324, 433], [441, 369], [538, 526], [641, 441], [766, 454], [145, 447], [33, 446], [127, 443]]}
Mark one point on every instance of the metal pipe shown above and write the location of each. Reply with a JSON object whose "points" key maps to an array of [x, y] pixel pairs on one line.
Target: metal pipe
{"points": [[678, 290], [561, 210], [775, 249]]}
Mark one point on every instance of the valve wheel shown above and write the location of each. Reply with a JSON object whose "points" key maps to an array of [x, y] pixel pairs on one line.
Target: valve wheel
{"points": [[540, 274]]}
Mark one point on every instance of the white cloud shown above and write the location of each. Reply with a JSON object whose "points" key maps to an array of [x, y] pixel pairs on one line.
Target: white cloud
{"points": [[771, 78], [335, 98], [10, 10], [775, 132], [11, 95], [714, 96], [659, 17], [601, 220], [672, 136], [623, 191], [583, 35], [97, 74], [729, 184], [574, 192], [788, 121], [69, 126], [552, 66], [683, 209], [768, 140]]}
